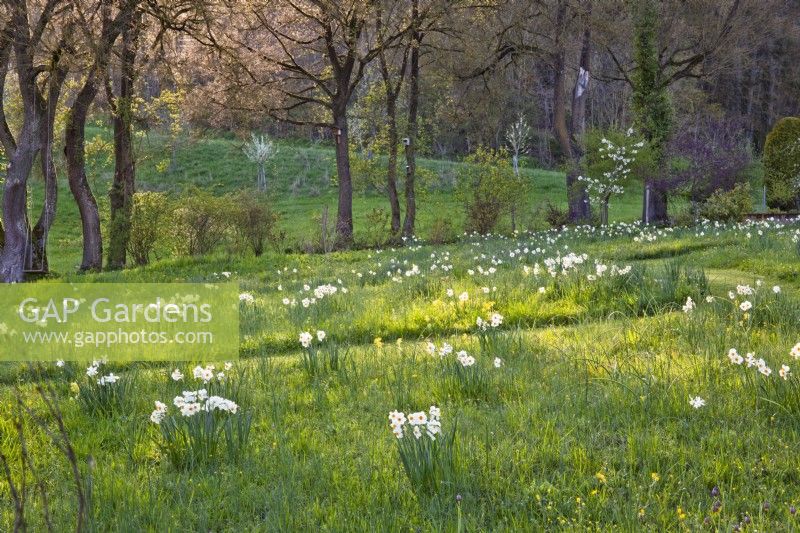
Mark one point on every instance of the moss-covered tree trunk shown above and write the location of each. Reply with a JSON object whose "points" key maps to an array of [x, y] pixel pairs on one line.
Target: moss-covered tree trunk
{"points": [[652, 109], [124, 185]]}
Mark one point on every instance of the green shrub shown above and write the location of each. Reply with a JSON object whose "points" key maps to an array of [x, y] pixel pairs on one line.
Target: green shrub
{"points": [[254, 220], [555, 216], [377, 226], [728, 206], [442, 231], [487, 188], [151, 217], [782, 164], [202, 221]]}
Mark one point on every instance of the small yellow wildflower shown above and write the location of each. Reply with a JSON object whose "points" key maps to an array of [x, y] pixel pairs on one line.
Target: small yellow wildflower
{"points": [[654, 476], [378, 342], [74, 388], [601, 477], [641, 512], [681, 514]]}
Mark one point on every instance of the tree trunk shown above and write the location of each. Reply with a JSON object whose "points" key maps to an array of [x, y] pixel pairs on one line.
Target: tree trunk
{"points": [[413, 127], [37, 259], [20, 153], [559, 86], [578, 197], [344, 217], [656, 212], [38, 250], [391, 171], [391, 92], [74, 145], [124, 185], [261, 181], [15, 219]]}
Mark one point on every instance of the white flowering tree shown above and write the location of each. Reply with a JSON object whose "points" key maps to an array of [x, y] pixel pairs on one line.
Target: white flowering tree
{"points": [[518, 136], [612, 158], [260, 150]]}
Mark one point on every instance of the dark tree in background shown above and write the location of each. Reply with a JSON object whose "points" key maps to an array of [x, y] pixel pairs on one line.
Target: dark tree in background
{"points": [[651, 107], [713, 156]]}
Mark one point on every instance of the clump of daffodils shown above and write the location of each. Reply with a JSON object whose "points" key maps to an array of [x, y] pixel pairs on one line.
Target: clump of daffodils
{"points": [[94, 370], [307, 338], [465, 359], [418, 424], [200, 427], [426, 453], [102, 392], [495, 320], [206, 374], [318, 355], [189, 403]]}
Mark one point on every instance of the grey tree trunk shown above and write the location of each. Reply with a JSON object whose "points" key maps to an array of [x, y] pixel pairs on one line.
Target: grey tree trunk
{"points": [[391, 93], [578, 197], [15, 219], [261, 181], [409, 224], [391, 171], [344, 216], [38, 247]]}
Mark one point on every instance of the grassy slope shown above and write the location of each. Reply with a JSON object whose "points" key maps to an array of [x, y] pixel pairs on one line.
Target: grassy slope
{"points": [[300, 180]]}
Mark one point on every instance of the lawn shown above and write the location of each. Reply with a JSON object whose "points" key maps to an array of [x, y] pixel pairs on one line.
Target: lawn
{"points": [[574, 414]]}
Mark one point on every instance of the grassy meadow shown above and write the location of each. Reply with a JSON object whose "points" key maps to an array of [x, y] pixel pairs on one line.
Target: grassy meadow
{"points": [[567, 366], [300, 182]]}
